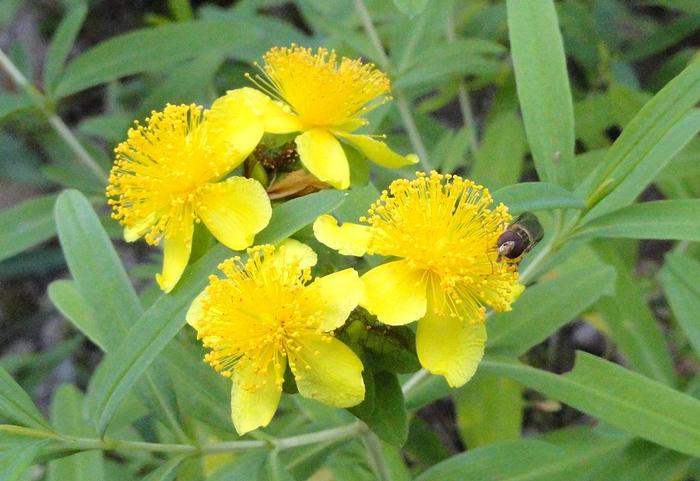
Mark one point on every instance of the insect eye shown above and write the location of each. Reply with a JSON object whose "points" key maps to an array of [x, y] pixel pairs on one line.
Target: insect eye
{"points": [[510, 245]]}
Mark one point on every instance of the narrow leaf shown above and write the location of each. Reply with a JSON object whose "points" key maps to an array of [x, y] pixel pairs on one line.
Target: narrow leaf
{"points": [[617, 396], [679, 278], [536, 196], [65, 296], [67, 418], [545, 307], [648, 127], [543, 86], [158, 325], [661, 219], [166, 471], [150, 49], [16, 405], [14, 463], [62, 43], [499, 160], [26, 225]]}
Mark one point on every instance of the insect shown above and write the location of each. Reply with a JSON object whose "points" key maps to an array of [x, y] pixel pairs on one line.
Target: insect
{"points": [[520, 236]]}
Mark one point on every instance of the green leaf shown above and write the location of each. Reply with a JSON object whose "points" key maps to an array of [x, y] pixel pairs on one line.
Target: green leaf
{"points": [[411, 7], [651, 164], [11, 103], [500, 461], [644, 461], [546, 306], [16, 405], [186, 83], [245, 466], [662, 38], [661, 219], [14, 463], [499, 160], [104, 287], [65, 296], [67, 418], [680, 282], [166, 471], [465, 57], [489, 409], [536, 196], [62, 43], [120, 369], [388, 420], [648, 127], [543, 87], [617, 396], [150, 49], [632, 325], [26, 225]]}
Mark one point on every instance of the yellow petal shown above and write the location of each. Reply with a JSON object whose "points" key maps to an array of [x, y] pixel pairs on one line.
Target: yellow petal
{"points": [[378, 152], [280, 120], [194, 313], [236, 121], [294, 251], [327, 370], [341, 292], [176, 249], [450, 347], [322, 154], [348, 239], [395, 293], [234, 210], [136, 231], [254, 396]]}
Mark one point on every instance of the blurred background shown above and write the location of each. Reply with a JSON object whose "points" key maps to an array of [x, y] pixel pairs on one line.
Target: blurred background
{"points": [[98, 65]]}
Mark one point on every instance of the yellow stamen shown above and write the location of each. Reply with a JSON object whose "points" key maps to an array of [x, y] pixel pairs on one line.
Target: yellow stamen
{"points": [[321, 90]]}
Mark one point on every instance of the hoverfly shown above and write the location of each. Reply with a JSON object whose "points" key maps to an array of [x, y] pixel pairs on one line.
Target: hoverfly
{"points": [[520, 236]]}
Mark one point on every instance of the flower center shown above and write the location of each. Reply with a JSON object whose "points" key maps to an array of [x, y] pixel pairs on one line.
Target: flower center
{"points": [[256, 314], [321, 90], [159, 168]]}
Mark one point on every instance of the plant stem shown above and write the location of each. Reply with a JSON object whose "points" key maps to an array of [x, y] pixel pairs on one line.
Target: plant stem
{"points": [[376, 455], [401, 102], [462, 95], [54, 120], [414, 381]]}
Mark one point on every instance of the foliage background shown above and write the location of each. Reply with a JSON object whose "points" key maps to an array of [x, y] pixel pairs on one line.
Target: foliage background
{"points": [[102, 64]]}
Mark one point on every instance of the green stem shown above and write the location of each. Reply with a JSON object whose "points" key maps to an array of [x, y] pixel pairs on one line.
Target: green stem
{"points": [[376, 455], [54, 120], [401, 100], [414, 381], [462, 95]]}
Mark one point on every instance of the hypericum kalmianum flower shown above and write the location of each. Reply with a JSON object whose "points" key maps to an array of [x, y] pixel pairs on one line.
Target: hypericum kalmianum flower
{"points": [[267, 313], [444, 234]]}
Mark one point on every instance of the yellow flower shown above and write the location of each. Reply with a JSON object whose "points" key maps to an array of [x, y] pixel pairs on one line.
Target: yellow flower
{"points": [[445, 236], [267, 313], [323, 99], [168, 174]]}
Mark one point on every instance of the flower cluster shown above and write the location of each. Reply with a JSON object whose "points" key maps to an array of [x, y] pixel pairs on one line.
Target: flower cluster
{"points": [[266, 321]]}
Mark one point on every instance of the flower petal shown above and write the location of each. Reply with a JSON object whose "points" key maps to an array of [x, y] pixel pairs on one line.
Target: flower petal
{"points": [[322, 154], [176, 249], [295, 251], [348, 239], [450, 346], [194, 313], [341, 292], [236, 121], [378, 152], [135, 232], [234, 210], [328, 371], [280, 120], [395, 293], [254, 396]]}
